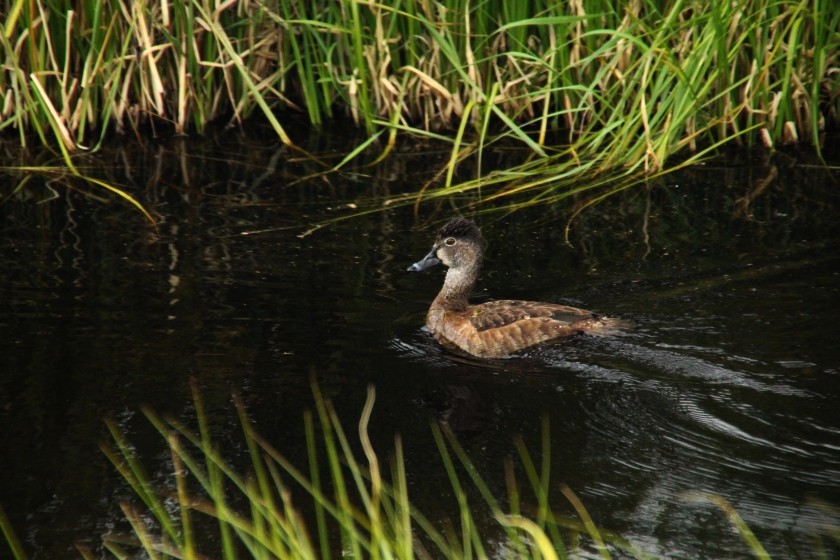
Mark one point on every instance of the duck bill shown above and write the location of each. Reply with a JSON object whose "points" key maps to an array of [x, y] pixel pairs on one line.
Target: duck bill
{"points": [[426, 262]]}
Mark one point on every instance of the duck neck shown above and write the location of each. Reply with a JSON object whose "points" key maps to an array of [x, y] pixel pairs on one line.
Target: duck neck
{"points": [[459, 282]]}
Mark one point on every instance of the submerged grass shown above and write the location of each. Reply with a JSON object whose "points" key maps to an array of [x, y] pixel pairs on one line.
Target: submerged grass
{"points": [[590, 88], [348, 504]]}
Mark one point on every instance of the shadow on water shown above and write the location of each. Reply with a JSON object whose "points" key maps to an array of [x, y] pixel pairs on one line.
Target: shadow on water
{"points": [[729, 382]]}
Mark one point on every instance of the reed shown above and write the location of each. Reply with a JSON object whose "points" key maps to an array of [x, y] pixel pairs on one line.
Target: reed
{"points": [[673, 68], [589, 87]]}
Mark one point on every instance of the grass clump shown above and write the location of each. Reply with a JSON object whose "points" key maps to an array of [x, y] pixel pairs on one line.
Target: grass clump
{"points": [[353, 503], [599, 92], [593, 89], [674, 72]]}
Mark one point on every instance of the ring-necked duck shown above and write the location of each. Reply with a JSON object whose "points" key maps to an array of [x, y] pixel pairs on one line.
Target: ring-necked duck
{"points": [[496, 328]]}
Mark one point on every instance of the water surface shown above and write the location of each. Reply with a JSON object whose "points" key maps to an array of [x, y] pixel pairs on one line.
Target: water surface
{"points": [[728, 384]]}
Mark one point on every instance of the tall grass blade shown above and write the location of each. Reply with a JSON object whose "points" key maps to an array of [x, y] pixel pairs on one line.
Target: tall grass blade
{"points": [[126, 463], [737, 521], [587, 521], [215, 476], [469, 538], [344, 508], [10, 536], [219, 35], [315, 477]]}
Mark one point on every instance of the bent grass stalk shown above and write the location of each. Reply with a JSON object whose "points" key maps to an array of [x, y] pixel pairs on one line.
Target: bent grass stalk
{"points": [[734, 518], [62, 172]]}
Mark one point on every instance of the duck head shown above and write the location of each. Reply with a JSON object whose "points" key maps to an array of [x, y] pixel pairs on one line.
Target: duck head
{"points": [[458, 245]]}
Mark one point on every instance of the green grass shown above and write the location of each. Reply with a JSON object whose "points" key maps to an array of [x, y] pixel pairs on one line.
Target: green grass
{"points": [[345, 501], [639, 80], [601, 96]]}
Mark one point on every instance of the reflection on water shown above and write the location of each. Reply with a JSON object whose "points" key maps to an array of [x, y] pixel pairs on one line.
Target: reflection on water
{"points": [[729, 383]]}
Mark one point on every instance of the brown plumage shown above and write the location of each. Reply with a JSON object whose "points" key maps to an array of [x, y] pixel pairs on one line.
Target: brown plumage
{"points": [[496, 328]]}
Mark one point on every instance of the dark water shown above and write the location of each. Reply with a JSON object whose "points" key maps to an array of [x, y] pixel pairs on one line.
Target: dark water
{"points": [[729, 384]]}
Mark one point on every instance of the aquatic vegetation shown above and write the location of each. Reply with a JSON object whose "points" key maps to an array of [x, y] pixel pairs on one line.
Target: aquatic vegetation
{"points": [[602, 95], [344, 504], [640, 80]]}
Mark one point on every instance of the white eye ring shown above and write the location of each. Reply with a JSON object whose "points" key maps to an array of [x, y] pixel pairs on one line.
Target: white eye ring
{"points": [[449, 241]]}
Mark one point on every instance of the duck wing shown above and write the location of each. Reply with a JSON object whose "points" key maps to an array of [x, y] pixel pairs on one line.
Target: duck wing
{"points": [[500, 314]]}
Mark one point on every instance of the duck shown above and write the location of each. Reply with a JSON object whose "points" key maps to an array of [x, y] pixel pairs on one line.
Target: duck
{"points": [[498, 328]]}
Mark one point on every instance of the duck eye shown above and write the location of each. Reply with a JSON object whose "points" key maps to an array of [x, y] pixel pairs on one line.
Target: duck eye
{"points": [[449, 241]]}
